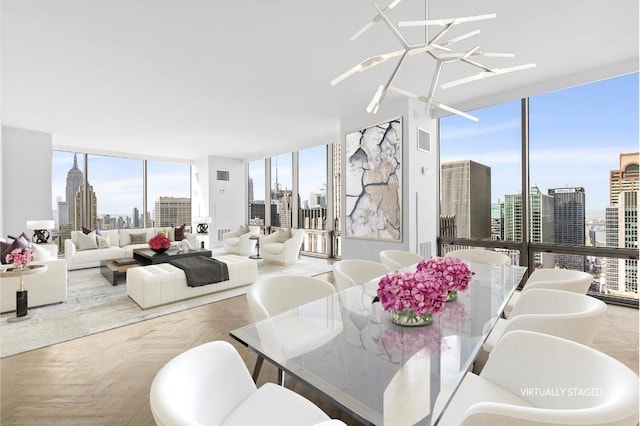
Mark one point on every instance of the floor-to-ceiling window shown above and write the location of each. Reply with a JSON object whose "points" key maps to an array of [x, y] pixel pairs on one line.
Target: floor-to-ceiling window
{"points": [[480, 175], [581, 148], [168, 194], [106, 192], [312, 196], [256, 193], [584, 159], [281, 190]]}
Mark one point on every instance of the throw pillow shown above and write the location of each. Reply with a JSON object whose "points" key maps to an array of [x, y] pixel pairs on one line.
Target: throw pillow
{"points": [[40, 253], [179, 232], [23, 236], [6, 249], [87, 230], [283, 235], [103, 242], [87, 241], [140, 238]]}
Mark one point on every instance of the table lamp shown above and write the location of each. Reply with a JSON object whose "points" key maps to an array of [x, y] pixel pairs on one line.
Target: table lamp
{"points": [[40, 230]]}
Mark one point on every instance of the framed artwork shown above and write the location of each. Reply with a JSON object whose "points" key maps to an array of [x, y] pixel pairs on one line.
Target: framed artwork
{"points": [[373, 181]]}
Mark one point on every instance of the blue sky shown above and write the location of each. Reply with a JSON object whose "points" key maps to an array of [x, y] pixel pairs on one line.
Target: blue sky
{"points": [[576, 137]]}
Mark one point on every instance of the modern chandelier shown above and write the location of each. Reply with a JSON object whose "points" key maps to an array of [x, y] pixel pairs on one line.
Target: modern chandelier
{"points": [[438, 49]]}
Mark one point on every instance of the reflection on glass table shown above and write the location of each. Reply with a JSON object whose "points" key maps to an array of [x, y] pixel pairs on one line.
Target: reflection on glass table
{"points": [[346, 347]]}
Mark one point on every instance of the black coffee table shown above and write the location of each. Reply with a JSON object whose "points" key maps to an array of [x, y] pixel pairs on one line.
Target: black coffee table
{"points": [[114, 271], [149, 257]]}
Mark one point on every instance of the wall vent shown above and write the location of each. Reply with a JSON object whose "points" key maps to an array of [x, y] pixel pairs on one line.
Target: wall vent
{"points": [[424, 250], [222, 175], [221, 233]]}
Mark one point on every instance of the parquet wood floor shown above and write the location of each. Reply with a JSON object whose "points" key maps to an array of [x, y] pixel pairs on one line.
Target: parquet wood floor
{"points": [[104, 379]]}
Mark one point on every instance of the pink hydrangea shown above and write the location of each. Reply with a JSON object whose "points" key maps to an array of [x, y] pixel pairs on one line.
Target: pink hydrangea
{"points": [[455, 274], [20, 256], [420, 291]]}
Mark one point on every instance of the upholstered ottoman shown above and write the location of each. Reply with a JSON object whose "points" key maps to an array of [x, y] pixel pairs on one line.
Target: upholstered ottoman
{"points": [[163, 283]]}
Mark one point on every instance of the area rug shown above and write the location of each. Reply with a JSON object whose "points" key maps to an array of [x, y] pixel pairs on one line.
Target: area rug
{"points": [[94, 305]]}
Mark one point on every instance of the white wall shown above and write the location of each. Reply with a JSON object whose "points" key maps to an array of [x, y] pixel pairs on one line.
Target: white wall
{"points": [[26, 178], [419, 192], [223, 201]]}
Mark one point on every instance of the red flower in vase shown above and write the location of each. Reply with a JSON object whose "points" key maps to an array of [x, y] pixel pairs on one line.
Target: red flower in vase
{"points": [[159, 243]]}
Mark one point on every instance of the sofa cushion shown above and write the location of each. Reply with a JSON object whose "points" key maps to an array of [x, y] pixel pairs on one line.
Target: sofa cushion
{"points": [[138, 238], [40, 254], [87, 231], [103, 242], [283, 235], [179, 232], [87, 242], [168, 231], [273, 248], [232, 241]]}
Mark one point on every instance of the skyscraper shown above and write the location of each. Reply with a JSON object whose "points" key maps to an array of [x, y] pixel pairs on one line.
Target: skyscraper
{"points": [[91, 207], [621, 275], [466, 194], [497, 220], [172, 211], [75, 178], [569, 224], [540, 219]]}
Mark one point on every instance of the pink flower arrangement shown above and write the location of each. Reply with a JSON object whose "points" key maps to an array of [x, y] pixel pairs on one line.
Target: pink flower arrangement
{"points": [[454, 273], [159, 242], [20, 257], [420, 291]]}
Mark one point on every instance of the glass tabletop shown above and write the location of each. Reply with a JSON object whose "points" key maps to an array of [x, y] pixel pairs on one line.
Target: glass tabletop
{"points": [[346, 347]]}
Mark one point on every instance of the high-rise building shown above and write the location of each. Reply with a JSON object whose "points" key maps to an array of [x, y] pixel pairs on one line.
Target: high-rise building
{"points": [[625, 178], [75, 178], [540, 219], [91, 207], [621, 275], [172, 211], [63, 213], [497, 220], [569, 224], [250, 189], [135, 218], [466, 194]]}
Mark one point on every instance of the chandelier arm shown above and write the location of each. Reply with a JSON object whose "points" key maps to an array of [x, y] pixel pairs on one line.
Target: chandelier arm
{"points": [[392, 28], [373, 20], [440, 34], [434, 82]]}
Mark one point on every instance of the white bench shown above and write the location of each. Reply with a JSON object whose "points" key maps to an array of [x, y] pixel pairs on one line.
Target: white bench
{"points": [[163, 283]]}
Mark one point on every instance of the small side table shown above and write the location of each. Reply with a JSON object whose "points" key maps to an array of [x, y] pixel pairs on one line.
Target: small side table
{"points": [[257, 255], [22, 293]]}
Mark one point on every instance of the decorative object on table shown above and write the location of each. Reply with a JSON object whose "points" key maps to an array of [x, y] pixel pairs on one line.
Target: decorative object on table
{"points": [[40, 230], [373, 182], [454, 273], [20, 257], [438, 49], [202, 227], [160, 243], [185, 246], [412, 297]]}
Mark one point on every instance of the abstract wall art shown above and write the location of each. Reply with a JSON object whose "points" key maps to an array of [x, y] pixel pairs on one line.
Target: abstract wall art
{"points": [[373, 180]]}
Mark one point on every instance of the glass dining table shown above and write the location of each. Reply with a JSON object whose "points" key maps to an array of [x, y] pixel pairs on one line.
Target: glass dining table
{"points": [[346, 348]]}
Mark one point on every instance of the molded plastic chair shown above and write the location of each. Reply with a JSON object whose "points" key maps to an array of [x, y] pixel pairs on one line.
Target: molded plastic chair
{"points": [[553, 279], [352, 272], [210, 385], [272, 296], [560, 313], [398, 259], [238, 241], [537, 379], [480, 255]]}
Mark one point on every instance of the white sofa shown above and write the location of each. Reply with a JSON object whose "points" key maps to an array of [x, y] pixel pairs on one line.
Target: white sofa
{"points": [[283, 246], [44, 289], [119, 246], [163, 283], [239, 242]]}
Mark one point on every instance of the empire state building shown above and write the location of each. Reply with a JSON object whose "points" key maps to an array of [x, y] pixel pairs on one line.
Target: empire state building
{"points": [[75, 178]]}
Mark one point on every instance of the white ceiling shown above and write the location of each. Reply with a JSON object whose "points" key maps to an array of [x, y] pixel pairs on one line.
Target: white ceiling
{"points": [[188, 78]]}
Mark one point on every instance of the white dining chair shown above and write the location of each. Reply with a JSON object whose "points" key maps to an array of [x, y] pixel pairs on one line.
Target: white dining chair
{"points": [[272, 296], [537, 379], [352, 272], [480, 255], [398, 259], [210, 385], [555, 279]]}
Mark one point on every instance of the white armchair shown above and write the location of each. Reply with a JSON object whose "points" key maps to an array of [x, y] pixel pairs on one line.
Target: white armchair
{"points": [[282, 246], [210, 385], [238, 241], [538, 379]]}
